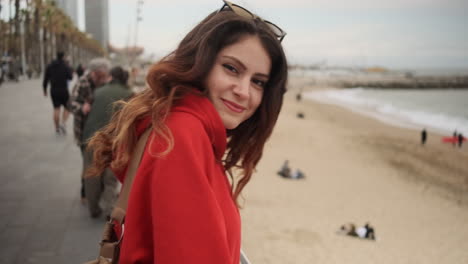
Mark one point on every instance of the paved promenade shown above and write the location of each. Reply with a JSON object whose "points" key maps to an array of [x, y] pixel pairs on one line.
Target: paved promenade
{"points": [[41, 217]]}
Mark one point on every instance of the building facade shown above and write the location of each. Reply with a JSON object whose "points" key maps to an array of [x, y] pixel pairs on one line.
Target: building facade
{"points": [[97, 20]]}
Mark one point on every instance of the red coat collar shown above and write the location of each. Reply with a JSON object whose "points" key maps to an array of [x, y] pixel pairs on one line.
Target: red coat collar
{"points": [[198, 105], [202, 108]]}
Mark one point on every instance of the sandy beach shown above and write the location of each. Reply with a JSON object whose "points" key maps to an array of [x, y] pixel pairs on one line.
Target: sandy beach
{"points": [[357, 170]]}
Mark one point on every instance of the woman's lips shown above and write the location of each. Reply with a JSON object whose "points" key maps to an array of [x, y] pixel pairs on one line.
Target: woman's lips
{"points": [[233, 106]]}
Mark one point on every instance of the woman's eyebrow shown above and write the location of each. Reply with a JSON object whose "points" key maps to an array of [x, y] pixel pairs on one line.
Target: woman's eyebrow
{"points": [[236, 60], [243, 66], [263, 75]]}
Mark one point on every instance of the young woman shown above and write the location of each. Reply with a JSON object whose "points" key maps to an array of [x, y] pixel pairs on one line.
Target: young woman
{"points": [[211, 105]]}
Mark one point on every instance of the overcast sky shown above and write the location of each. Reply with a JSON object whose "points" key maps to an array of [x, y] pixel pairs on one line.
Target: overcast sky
{"points": [[390, 33]]}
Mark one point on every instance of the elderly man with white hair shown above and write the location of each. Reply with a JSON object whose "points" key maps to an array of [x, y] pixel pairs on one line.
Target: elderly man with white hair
{"points": [[80, 105]]}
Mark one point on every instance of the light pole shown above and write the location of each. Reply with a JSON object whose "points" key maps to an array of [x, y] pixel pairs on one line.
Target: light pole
{"points": [[138, 19]]}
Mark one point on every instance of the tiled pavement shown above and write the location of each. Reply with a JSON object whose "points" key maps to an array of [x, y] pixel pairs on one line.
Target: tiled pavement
{"points": [[41, 217]]}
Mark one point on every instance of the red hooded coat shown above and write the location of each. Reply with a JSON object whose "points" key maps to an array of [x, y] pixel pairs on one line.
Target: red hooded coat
{"points": [[180, 208]]}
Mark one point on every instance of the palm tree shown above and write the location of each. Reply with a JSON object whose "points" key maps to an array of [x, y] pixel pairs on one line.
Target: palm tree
{"points": [[47, 25]]}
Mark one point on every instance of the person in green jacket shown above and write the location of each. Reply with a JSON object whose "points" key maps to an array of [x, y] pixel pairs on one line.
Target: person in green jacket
{"points": [[102, 191]]}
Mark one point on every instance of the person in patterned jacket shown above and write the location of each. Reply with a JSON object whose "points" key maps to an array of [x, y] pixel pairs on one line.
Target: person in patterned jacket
{"points": [[80, 105]]}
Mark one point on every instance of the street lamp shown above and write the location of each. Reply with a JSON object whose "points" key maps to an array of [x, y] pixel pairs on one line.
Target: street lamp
{"points": [[138, 19]]}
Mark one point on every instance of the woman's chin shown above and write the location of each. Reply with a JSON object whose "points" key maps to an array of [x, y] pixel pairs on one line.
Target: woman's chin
{"points": [[230, 124]]}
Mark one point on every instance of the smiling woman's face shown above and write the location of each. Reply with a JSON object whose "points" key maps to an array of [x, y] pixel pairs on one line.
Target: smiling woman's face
{"points": [[237, 79]]}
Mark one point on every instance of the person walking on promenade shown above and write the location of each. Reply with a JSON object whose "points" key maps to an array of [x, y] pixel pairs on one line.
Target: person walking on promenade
{"points": [[423, 137], [211, 105], [58, 73], [2, 72], [80, 105], [80, 70], [101, 192]]}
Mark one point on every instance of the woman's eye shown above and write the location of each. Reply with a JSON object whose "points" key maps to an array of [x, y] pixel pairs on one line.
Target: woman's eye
{"points": [[259, 83], [230, 68]]}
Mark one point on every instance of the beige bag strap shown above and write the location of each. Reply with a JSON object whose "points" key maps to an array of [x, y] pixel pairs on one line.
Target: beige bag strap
{"points": [[110, 245], [122, 202]]}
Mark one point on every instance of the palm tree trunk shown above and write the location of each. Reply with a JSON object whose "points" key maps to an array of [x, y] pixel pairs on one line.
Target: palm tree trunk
{"points": [[23, 49], [10, 29], [2, 32], [16, 52]]}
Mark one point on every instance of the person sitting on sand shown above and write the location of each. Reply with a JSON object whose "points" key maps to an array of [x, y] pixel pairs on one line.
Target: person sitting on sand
{"points": [[285, 170], [297, 174], [298, 97], [365, 232], [348, 229]]}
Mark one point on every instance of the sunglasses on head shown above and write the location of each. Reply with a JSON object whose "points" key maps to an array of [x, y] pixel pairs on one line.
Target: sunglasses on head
{"points": [[239, 10]]}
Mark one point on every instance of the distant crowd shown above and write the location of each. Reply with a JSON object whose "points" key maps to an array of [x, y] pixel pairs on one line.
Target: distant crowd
{"points": [[11, 69], [91, 103]]}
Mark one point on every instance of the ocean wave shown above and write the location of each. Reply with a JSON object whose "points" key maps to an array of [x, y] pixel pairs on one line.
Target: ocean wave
{"points": [[385, 111]]}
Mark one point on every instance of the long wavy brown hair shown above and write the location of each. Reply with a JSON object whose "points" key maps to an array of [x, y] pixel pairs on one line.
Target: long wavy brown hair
{"points": [[186, 69]]}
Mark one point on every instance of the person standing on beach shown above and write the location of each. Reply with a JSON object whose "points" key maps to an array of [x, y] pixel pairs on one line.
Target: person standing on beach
{"points": [[80, 105], [423, 137], [209, 108], [58, 74], [460, 139], [455, 138]]}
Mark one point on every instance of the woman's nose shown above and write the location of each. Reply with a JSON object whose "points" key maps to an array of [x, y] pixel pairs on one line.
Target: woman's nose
{"points": [[242, 89]]}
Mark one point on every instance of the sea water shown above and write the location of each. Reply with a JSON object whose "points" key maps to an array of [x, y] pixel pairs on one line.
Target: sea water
{"points": [[443, 111]]}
